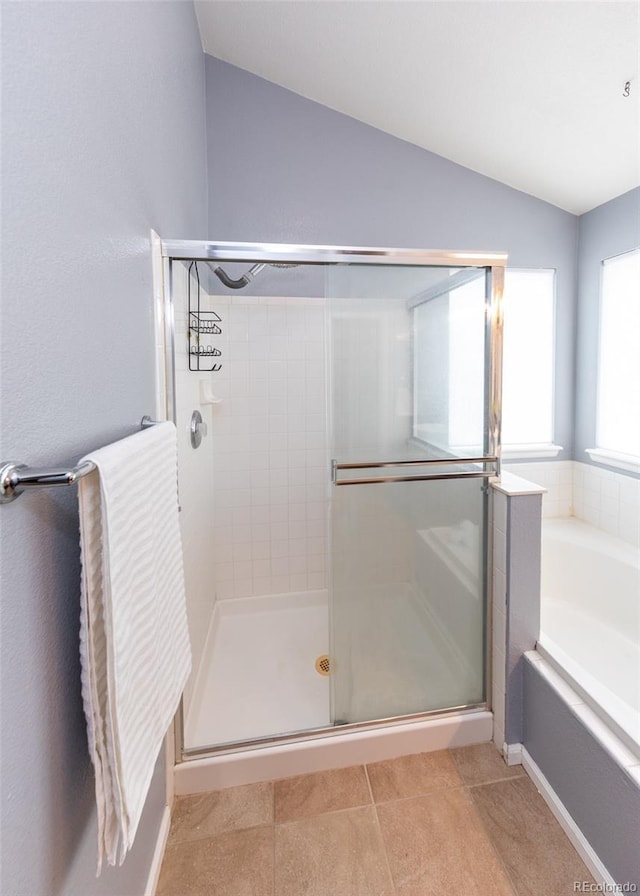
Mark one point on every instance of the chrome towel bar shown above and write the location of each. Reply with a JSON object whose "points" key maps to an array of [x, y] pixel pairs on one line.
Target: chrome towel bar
{"points": [[16, 477]]}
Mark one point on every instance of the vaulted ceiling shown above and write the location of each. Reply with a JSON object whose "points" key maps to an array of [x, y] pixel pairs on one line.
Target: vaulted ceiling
{"points": [[529, 93]]}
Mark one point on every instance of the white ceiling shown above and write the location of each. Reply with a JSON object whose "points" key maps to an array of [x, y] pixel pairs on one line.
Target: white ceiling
{"points": [[529, 93]]}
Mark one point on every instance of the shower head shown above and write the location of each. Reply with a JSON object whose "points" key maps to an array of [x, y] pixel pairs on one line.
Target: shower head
{"points": [[241, 281], [248, 277]]}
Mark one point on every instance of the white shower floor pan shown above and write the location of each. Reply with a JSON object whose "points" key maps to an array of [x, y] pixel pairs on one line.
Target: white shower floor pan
{"points": [[258, 676], [258, 680]]}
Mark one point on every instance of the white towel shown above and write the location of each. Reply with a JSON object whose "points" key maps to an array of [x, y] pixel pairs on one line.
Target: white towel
{"points": [[134, 641]]}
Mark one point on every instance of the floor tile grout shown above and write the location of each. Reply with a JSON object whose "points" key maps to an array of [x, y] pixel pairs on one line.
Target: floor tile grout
{"points": [[366, 774], [384, 848], [499, 780], [321, 814], [420, 795], [492, 845], [275, 852], [210, 836]]}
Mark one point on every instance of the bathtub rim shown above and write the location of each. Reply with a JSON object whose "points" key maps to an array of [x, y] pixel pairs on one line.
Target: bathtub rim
{"points": [[596, 539], [625, 758], [563, 665]]}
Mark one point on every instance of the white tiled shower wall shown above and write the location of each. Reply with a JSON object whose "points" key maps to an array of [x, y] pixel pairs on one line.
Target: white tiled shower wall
{"points": [[268, 434], [269, 444], [603, 498], [195, 486]]}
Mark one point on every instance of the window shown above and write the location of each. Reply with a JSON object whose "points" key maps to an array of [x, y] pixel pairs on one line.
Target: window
{"points": [[618, 402], [449, 333], [528, 362], [449, 363]]}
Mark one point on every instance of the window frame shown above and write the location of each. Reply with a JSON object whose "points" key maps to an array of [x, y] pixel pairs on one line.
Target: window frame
{"points": [[521, 450], [601, 454]]}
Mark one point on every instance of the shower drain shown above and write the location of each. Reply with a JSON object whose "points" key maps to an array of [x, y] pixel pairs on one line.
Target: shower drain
{"points": [[323, 666]]}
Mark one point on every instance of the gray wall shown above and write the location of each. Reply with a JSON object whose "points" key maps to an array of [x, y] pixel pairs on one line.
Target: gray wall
{"points": [[283, 168], [602, 800], [103, 139], [608, 230]]}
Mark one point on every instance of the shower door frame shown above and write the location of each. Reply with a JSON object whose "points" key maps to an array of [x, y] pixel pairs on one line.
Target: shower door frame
{"points": [[252, 253]]}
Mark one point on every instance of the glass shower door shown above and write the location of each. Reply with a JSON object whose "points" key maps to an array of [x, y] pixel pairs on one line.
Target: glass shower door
{"points": [[410, 366]]}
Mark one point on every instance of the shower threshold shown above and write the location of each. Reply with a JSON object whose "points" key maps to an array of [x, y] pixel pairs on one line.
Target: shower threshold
{"points": [[312, 751]]}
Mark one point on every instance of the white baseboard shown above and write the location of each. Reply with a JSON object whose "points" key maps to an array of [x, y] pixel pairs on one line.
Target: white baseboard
{"points": [[512, 753], [158, 853], [566, 822]]}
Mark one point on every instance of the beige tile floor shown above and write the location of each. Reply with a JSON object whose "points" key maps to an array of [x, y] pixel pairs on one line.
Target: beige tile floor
{"points": [[453, 822]]}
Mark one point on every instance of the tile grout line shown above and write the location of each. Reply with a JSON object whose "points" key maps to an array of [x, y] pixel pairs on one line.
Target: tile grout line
{"points": [[497, 780], [492, 844], [209, 836], [402, 799], [322, 814], [422, 795], [382, 840], [366, 774], [273, 819]]}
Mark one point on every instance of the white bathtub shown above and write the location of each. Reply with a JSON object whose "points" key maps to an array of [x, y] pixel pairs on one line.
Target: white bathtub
{"points": [[590, 619]]}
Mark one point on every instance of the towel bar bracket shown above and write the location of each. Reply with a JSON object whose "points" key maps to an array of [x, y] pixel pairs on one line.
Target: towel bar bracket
{"points": [[15, 477]]}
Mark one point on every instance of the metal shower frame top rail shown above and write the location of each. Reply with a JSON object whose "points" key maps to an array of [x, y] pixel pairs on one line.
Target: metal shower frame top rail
{"points": [[198, 250]]}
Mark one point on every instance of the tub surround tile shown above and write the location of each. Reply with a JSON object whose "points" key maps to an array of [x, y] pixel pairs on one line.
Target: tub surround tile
{"points": [[436, 844], [499, 677], [499, 551], [340, 853], [499, 590], [499, 511], [408, 776], [499, 628], [237, 863], [531, 844], [498, 727], [523, 601], [608, 500], [307, 795], [482, 764], [205, 815]]}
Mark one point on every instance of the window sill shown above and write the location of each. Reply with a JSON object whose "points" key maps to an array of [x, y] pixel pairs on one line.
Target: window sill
{"points": [[545, 449], [627, 462]]}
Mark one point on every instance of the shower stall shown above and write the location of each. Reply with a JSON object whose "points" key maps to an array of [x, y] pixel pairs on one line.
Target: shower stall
{"points": [[338, 416]]}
